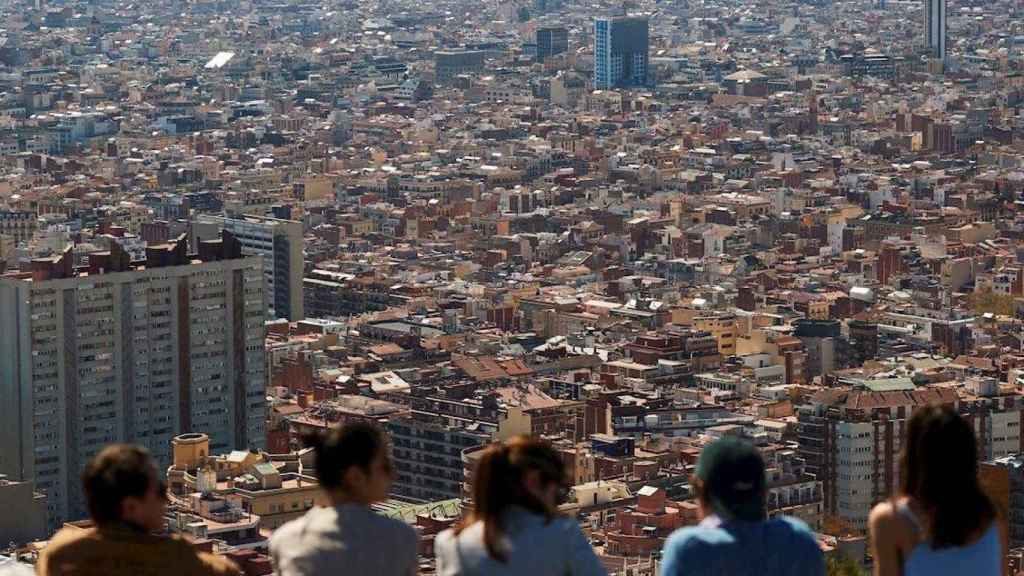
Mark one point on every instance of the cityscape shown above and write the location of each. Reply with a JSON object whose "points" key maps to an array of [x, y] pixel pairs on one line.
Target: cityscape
{"points": [[629, 229]]}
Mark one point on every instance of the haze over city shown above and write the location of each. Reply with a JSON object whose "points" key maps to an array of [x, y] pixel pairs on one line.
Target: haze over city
{"points": [[511, 286]]}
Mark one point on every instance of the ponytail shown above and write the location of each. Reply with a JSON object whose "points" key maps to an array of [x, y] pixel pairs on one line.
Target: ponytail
{"points": [[498, 486]]}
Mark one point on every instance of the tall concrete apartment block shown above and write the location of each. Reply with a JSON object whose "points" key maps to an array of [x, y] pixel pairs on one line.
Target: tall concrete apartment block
{"points": [[279, 243], [850, 438], [122, 351]]}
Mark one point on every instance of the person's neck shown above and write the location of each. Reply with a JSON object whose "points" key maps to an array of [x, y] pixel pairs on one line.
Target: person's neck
{"points": [[122, 524], [340, 498]]}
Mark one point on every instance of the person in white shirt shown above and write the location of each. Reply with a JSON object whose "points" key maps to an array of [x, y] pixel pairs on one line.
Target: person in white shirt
{"points": [[348, 537], [514, 527]]}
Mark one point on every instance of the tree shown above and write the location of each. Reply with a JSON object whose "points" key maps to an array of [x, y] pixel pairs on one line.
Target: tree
{"points": [[842, 565], [987, 301]]}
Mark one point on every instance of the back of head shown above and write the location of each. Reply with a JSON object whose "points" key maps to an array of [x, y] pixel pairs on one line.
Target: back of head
{"points": [[731, 479], [940, 473], [119, 471], [498, 485], [341, 448]]}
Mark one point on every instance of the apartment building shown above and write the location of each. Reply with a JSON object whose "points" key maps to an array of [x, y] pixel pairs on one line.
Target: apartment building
{"points": [[850, 438], [279, 243], [122, 351], [24, 517], [19, 225], [273, 488], [1003, 480], [428, 457]]}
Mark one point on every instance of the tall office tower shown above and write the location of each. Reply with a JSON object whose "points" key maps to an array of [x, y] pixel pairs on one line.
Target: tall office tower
{"points": [[279, 242], [620, 52], [551, 40], [935, 27], [122, 351]]}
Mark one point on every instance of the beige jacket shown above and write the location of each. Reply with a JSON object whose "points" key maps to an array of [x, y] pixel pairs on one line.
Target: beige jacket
{"points": [[124, 551]]}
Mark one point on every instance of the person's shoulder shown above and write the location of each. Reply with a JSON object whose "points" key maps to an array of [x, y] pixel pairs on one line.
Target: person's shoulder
{"points": [[215, 565], [445, 539], [201, 563], [564, 524], [68, 539], [694, 547], [795, 529], [396, 528], [446, 535], [793, 525], [885, 519], [66, 536], [176, 544], [288, 532], [693, 537]]}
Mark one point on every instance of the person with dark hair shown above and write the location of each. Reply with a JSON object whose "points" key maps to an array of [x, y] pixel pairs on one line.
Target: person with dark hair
{"points": [[126, 501], [514, 526], [736, 537], [354, 468], [941, 522]]}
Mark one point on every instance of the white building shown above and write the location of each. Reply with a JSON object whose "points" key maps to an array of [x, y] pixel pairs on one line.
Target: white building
{"points": [[279, 243]]}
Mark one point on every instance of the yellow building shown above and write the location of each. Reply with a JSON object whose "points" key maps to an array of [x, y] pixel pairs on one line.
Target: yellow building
{"points": [[818, 309], [271, 486], [723, 328]]}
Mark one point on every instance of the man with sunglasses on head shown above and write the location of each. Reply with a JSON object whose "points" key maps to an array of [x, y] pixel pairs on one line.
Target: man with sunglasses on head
{"points": [[126, 501]]}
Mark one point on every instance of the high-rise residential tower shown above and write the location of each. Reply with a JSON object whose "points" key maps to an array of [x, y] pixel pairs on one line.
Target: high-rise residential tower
{"points": [[122, 351], [280, 243], [935, 27], [621, 57]]}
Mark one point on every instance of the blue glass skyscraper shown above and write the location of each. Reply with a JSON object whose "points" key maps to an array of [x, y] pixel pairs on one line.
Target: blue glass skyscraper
{"points": [[621, 46]]}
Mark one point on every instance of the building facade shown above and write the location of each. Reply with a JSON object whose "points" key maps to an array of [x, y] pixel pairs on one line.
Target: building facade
{"points": [[850, 440], [24, 517], [621, 52], [128, 353], [935, 28], [279, 243], [450, 63], [19, 225], [551, 40], [428, 458]]}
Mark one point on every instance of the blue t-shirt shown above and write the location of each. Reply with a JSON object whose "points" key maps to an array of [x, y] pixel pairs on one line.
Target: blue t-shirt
{"points": [[778, 546]]}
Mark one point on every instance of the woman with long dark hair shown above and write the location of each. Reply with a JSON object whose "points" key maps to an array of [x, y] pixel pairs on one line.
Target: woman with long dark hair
{"points": [[514, 526], [347, 537], [941, 522]]}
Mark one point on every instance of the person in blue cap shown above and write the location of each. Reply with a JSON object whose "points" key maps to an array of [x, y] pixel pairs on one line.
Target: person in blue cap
{"points": [[735, 537]]}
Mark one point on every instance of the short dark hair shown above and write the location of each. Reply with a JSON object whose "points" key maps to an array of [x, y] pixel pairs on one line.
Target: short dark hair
{"points": [[341, 448], [117, 472]]}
